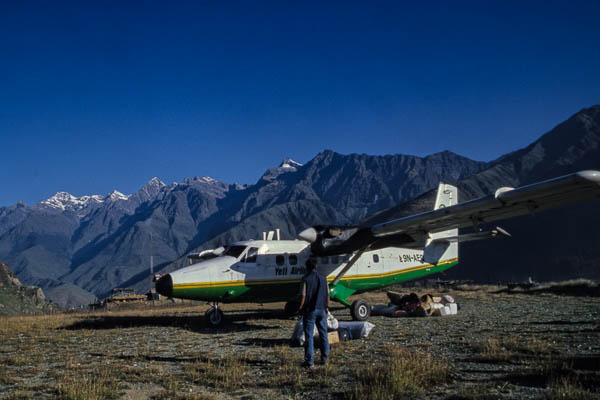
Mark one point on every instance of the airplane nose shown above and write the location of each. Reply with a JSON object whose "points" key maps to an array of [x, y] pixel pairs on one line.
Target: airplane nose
{"points": [[164, 286]]}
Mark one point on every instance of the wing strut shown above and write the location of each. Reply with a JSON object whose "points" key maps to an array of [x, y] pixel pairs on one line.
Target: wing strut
{"points": [[354, 259]]}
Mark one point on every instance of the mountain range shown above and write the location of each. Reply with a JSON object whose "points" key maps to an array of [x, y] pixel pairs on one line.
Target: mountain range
{"points": [[79, 248]]}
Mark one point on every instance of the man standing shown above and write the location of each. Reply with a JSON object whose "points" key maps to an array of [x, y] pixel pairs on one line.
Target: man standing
{"points": [[314, 306]]}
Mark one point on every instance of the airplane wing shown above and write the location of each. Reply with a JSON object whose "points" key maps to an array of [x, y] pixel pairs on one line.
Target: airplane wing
{"points": [[505, 203]]}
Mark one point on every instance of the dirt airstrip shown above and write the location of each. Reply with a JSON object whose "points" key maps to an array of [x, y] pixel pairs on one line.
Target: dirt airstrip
{"points": [[499, 346]]}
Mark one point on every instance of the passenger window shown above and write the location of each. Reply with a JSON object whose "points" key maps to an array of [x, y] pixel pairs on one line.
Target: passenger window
{"points": [[324, 260], [293, 259], [335, 260], [279, 259], [375, 258], [251, 255]]}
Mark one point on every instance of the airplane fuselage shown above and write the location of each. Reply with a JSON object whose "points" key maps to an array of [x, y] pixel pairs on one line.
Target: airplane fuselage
{"points": [[271, 270]]}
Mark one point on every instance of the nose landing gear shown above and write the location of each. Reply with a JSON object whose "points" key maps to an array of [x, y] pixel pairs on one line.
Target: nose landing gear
{"points": [[214, 316]]}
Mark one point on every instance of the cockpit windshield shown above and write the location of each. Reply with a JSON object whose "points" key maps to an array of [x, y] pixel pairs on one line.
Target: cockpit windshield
{"points": [[234, 251]]}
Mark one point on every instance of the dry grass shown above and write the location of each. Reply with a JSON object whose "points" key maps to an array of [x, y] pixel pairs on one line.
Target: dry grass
{"points": [[228, 373], [574, 287], [87, 385], [6, 378], [402, 373], [164, 353], [287, 366], [507, 349], [567, 388]]}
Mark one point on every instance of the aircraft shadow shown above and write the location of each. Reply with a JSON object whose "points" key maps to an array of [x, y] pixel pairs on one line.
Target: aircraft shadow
{"points": [[238, 316], [180, 360], [191, 323], [264, 342], [235, 321]]}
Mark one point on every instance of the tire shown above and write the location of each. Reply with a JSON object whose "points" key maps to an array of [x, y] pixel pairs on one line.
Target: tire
{"points": [[291, 308], [214, 317], [360, 310]]}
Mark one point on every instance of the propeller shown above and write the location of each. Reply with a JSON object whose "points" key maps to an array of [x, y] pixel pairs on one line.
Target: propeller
{"points": [[333, 240]]}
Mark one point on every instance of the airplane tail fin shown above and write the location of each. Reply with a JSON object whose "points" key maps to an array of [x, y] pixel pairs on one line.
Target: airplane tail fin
{"points": [[436, 248], [447, 195]]}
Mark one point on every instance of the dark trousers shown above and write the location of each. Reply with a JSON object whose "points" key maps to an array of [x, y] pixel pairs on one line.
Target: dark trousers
{"points": [[308, 320]]}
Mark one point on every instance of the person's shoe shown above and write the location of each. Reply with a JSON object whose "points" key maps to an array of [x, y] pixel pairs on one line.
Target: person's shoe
{"points": [[324, 361], [307, 365]]}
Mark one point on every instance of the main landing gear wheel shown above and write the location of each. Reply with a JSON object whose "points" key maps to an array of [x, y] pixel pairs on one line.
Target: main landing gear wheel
{"points": [[360, 310], [214, 316]]}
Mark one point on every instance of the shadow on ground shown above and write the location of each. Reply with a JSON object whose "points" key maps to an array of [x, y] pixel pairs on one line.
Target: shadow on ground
{"points": [[234, 323], [204, 359], [264, 342], [583, 290]]}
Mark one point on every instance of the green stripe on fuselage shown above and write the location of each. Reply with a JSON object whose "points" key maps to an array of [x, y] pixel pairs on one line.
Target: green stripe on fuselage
{"points": [[265, 291]]}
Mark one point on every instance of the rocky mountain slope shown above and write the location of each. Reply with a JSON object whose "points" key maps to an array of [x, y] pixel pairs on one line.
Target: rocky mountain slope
{"points": [[95, 243], [99, 242], [17, 299], [557, 245]]}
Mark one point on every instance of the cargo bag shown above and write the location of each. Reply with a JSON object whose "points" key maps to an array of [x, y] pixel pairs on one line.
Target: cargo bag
{"points": [[332, 323], [357, 329], [298, 337]]}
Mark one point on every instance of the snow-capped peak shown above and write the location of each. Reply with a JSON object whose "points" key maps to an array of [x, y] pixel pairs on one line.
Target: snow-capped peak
{"points": [[63, 201], [196, 179], [289, 163], [207, 179], [116, 195], [155, 182]]}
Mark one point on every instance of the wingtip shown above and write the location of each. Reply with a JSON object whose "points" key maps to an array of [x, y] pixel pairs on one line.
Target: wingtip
{"points": [[590, 175]]}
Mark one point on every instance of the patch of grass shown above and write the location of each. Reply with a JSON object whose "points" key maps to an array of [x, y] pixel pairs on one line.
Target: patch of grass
{"points": [[325, 376], [567, 388], [228, 373], [78, 385], [5, 376], [287, 370], [17, 359], [171, 390], [137, 374], [19, 395], [173, 394], [511, 348], [476, 392], [401, 373]]}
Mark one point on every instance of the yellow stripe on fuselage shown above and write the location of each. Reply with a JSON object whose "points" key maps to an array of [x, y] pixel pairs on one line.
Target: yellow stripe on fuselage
{"points": [[255, 282]]}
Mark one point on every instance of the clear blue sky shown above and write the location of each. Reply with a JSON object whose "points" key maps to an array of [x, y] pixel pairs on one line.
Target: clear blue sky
{"points": [[107, 94]]}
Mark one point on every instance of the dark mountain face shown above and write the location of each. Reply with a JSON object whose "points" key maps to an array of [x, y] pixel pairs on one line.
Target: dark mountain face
{"points": [[98, 243], [556, 245], [562, 244], [571, 146]]}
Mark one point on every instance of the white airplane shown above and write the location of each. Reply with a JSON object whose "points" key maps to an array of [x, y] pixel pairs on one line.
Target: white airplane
{"points": [[356, 259]]}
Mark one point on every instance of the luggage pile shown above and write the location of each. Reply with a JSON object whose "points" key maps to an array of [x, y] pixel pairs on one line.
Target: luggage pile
{"points": [[336, 331], [411, 305]]}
